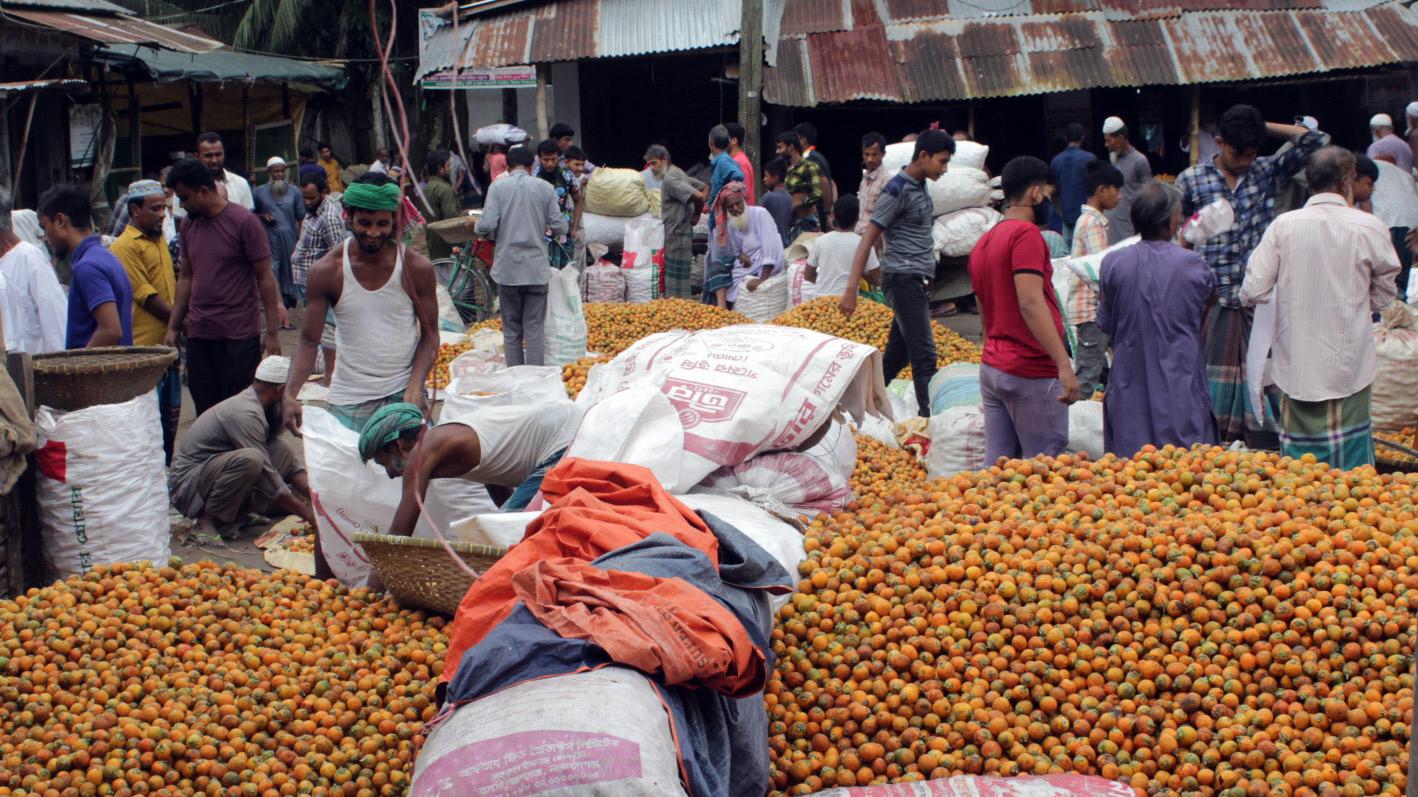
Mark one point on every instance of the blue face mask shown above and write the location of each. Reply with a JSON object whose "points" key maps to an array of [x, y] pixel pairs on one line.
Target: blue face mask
{"points": [[1043, 212]]}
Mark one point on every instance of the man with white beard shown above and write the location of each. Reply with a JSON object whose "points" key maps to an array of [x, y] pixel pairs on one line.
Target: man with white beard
{"points": [[281, 209]]}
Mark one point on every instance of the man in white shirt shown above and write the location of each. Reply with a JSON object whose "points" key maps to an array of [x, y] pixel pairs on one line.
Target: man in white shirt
{"points": [[829, 258], [1395, 202], [233, 187], [1326, 267], [34, 306]]}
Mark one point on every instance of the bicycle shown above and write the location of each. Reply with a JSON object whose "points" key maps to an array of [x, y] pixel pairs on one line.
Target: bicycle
{"points": [[466, 275]]}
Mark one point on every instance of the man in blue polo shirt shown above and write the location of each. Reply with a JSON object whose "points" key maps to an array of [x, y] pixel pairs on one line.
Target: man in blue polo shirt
{"points": [[1069, 168], [903, 215], [100, 296]]}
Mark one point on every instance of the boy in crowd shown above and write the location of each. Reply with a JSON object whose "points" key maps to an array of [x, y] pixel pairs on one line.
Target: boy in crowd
{"points": [[829, 259], [1103, 183], [776, 200]]}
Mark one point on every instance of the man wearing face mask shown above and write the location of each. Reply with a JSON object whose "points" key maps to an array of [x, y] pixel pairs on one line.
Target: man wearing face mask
{"points": [[1249, 184], [1026, 378], [385, 308], [281, 210]]}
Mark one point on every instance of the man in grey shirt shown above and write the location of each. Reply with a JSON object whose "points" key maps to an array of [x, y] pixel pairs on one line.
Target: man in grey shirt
{"points": [[519, 212], [681, 199], [1136, 174], [903, 214]]}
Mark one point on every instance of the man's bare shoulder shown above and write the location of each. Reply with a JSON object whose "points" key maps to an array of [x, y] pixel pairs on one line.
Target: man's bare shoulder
{"points": [[329, 266]]}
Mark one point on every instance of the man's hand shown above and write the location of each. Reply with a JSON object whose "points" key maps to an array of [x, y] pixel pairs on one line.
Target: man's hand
{"points": [[291, 414], [170, 339], [753, 284], [848, 303], [743, 258], [268, 218], [284, 315], [1070, 392], [271, 344], [417, 397]]}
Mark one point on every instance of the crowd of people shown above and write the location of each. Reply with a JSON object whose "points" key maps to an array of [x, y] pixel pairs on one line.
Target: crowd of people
{"points": [[1321, 236]]}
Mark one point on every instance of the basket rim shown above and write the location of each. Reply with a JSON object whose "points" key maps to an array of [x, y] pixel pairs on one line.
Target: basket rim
{"points": [[423, 542], [135, 356]]}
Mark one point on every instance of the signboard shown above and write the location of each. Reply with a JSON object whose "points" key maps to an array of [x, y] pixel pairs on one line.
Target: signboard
{"points": [[501, 77], [84, 123]]}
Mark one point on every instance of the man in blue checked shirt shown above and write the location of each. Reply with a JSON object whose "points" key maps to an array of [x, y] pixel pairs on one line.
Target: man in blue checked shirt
{"points": [[1249, 184]]}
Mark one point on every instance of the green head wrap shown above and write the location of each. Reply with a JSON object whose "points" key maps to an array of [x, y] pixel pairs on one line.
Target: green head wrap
{"points": [[367, 196], [385, 426]]}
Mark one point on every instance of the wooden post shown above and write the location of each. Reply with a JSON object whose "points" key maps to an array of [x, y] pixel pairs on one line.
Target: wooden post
{"points": [[970, 123], [1196, 129], [247, 142], [135, 129], [751, 85], [543, 124], [24, 145], [194, 99]]}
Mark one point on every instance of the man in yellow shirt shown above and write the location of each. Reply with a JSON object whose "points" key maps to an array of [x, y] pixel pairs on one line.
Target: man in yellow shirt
{"points": [[145, 256], [334, 170]]}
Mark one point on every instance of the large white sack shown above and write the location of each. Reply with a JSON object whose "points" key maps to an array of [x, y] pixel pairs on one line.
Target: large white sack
{"points": [[1069, 785], [1394, 394], [349, 497], [765, 302], [968, 155], [816, 480], [959, 188], [606, 230], [957, 442], [799, 289], [616, 192], [1085, 428], [100, 487], [565, 333], [956, 233], [643, 260], [605, 282], [955, 385], [501, 134], [686, 404], [555, 736]]}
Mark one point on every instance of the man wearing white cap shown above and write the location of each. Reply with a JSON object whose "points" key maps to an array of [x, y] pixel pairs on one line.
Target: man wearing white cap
{"points": [[281, 209], [232, 462], [1387, 145], [1410, 116], [1136, 173]]}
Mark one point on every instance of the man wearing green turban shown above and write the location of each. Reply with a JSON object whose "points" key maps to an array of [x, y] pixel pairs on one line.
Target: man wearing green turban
{"points": [[508, 449], [385, 307]]}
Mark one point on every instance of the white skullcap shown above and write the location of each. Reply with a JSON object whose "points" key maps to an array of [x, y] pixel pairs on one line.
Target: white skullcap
{"points": [[274, 370], [1412, 109], [1309, 123], [1380, 120], [275, 160], [1113, 124]]}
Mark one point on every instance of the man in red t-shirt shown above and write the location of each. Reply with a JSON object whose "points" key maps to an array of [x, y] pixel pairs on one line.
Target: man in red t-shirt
{"points": [[1026, 378]]}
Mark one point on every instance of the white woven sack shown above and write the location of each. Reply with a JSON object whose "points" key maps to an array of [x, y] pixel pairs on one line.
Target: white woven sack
{"points": [[766, 302], [1394, 393]]}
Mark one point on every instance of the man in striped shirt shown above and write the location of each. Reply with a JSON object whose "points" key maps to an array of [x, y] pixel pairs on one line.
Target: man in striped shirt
{"points": [[1104, 184], [1326, 267]]}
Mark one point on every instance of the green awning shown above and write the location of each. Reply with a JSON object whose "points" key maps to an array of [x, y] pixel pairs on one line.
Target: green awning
{"points": [[218, 66]]}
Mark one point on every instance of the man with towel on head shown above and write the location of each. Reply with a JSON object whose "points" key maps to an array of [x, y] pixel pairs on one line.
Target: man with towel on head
{"points": [[232, 462], [509, 451], [385, 307]]}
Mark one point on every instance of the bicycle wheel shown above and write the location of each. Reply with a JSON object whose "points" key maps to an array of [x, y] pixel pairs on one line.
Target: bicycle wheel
{"points": [[469, 288]]}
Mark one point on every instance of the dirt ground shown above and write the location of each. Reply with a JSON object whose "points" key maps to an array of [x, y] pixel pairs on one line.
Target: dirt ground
{"points": [[244, 552]]}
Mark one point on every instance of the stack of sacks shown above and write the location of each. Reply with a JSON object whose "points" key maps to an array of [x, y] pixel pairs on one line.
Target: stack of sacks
{"points": [[961, 196], [613, 197]]}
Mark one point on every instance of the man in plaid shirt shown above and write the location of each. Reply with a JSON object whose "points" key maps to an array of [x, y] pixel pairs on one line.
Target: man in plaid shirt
{"points": [[1249, 184], [804, 184], [1104, 184]]}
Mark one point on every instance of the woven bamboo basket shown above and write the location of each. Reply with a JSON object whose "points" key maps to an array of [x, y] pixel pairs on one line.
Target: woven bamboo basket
{"points": [[419, 573], [79, 378], [454, 230], [1394, 456]]}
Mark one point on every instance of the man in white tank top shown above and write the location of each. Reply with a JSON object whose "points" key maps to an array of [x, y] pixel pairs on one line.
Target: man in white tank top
{"points": [[385, 307]]}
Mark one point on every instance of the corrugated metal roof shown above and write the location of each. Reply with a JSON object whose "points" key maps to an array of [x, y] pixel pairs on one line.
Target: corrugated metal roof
{"points": [[220, 66], [1157, 43], [118, 30], [60, 84], [84, 6], [571, 30], [814, 16]]}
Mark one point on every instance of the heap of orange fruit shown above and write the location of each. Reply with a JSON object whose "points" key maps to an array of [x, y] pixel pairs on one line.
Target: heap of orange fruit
{"points": [[871, 325], [574, 374], [612, 327], [208, 679], [1189, 622], [881, 467], [447, 352]]}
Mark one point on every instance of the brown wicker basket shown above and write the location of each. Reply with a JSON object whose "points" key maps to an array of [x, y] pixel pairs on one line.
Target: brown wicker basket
{"points": [[420, 574], [79, 378], [454, 230]]}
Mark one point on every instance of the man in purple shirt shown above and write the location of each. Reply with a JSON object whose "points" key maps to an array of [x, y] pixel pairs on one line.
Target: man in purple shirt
{"points": [[1387, 143], [100, 296], [226, 266]]}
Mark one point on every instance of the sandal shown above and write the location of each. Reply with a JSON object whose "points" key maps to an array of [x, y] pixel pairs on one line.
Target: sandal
{"points": [[945, 311]]}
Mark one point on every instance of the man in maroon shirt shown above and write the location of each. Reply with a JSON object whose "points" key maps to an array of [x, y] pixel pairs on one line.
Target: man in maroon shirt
{"points": [[226, 265], [1026, 378]]}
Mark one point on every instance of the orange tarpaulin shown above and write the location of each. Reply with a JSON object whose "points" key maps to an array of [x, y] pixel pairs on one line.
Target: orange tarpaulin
{"points": [[596, 508]]}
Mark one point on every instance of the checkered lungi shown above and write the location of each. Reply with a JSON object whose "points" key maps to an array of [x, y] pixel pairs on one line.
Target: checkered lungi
{"points": [[1227, 332], [1338, 431], [679, 265]]}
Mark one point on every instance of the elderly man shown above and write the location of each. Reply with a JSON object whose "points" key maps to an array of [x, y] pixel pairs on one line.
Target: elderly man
{"points": [[233, 187], [1248, 183], [747, 234], [145, 256], [1326, 267], [232, 462], [1387, 145], [385, 306], [1136, 174], [279, 206], [509, 450], [32, 304], [681, 199]]}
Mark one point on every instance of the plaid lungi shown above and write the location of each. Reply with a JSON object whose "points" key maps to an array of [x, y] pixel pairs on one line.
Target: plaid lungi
{"points": [[1338, 431], [1228, 334], [679, 263]]}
